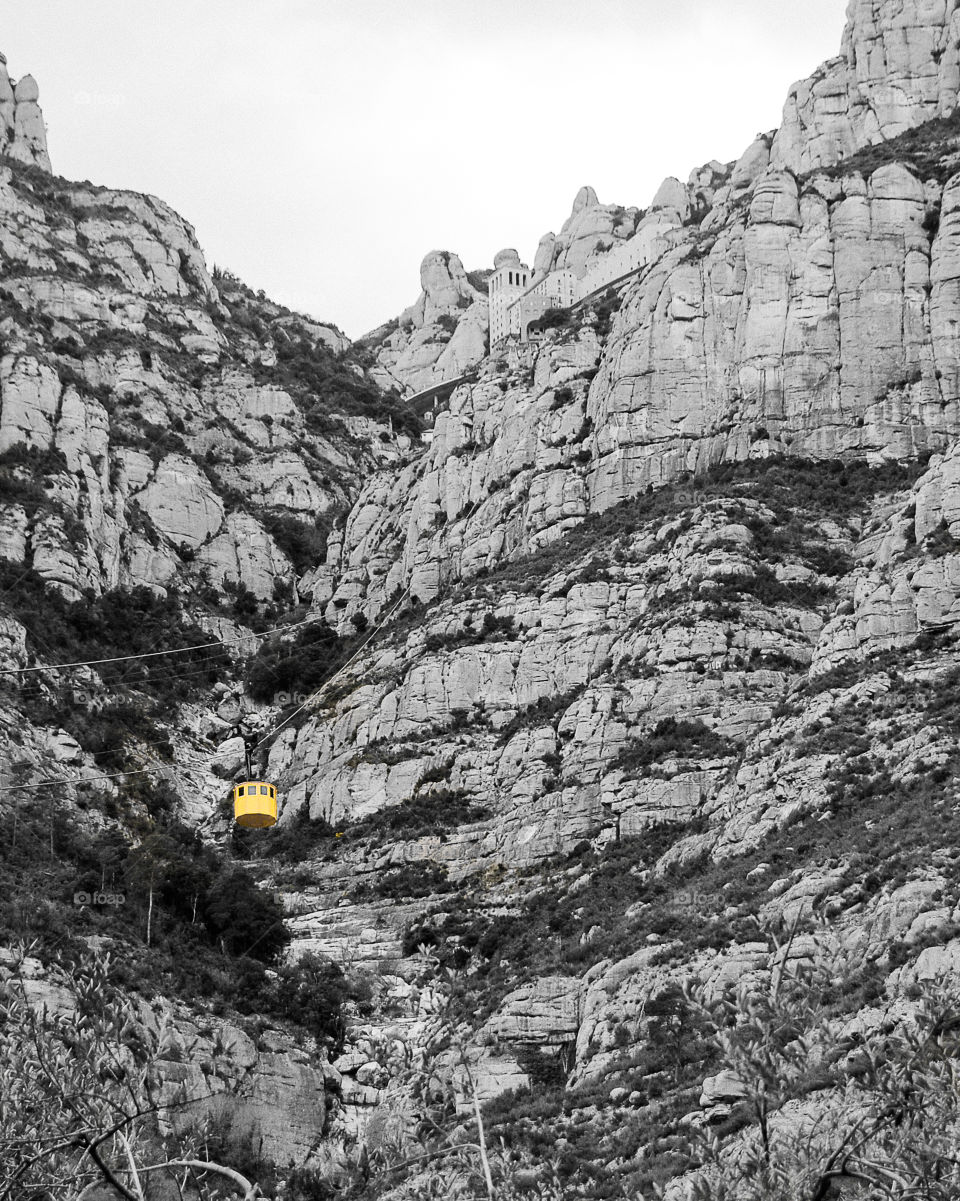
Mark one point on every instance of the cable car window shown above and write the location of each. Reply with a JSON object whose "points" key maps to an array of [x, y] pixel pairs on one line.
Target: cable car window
{"points": [[240, 790], [264, 790]]}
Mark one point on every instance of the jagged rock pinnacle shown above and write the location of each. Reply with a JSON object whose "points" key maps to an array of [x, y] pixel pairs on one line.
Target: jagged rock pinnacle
{"points": [[23, 135]]}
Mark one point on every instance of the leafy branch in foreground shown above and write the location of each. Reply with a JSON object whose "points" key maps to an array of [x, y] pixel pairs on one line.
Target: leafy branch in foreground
{"points": [[81, 1100], [429, 1138], [833, 1106]]}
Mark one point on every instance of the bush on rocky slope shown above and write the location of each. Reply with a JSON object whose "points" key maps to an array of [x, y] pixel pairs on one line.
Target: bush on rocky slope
{"points": [[888, 817], [213, 929], [127, 702], [78, 1093], [21, 471], [303, 543], [888, 1093], [795, 490], [119, 623], [299, 665], [930, 151], [888, 1090], [325, 384], [432, 812], [673, 739]]}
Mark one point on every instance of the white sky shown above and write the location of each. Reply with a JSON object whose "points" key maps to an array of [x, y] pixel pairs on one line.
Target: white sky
{"points": [[322, 147]]}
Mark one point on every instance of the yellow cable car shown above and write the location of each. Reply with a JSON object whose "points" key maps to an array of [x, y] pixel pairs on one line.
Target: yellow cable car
{"points": [[254, 801], [254, 804]]}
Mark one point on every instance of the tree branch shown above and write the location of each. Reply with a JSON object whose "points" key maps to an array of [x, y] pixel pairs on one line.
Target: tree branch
{"points": [[125, 1143], [200, 1165]]}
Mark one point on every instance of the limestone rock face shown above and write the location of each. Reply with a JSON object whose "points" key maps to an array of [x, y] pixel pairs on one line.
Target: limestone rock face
{"points": [[274, 1099], [899, 65], [543, 260], [552, 705], [246, 554], [547, 1012], [181, 503], [590, 231], [504, 258], [129, 403], [468, 345], [30, 397], [23, 135], [440, 336], [672, 195], [895, 597], [724, 1087], [445, 289], [606, 631], [753, 162], [816, 319], [271, 1093], [777, 346], [13, 644]]}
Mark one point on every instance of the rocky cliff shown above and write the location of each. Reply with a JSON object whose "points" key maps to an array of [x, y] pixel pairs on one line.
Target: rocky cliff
{"points": [[440, 336], [173, 450], [801, 316], [176, 417], [656, 614], [634, 685], [899, 66], [23, 135]]}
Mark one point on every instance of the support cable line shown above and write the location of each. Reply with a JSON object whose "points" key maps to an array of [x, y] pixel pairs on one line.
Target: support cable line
{"points": [[143, 771], [137, 683], [360, 649], [72, 782], [180, 650], [340, 670]]}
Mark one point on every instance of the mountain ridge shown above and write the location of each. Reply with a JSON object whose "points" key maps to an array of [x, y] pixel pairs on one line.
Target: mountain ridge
{"points": [[631, 686]]}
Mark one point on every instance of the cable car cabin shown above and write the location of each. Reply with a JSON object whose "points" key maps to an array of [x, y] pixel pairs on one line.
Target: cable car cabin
{"points": [[254, 804]]}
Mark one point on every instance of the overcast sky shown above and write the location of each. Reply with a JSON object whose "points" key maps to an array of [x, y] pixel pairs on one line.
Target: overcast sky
{"points": [[321, 147]]}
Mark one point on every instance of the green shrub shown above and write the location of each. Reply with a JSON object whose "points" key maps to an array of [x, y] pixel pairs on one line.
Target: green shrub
{"points": [[21, 470], [673, 739], [412, 880], [244, 920], [419, 816], [492, 629], [447, 322], [303, 543], [300, 664], [605, 308], [539, 713], [927, 149], [799, 492], [551, 319], [121, 622], [312, 993]]}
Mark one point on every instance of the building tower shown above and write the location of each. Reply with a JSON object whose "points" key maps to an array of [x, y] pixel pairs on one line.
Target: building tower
{"points": [[507, 283]]}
